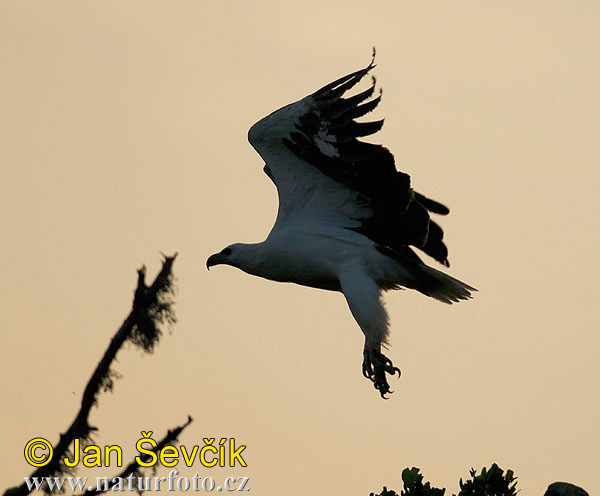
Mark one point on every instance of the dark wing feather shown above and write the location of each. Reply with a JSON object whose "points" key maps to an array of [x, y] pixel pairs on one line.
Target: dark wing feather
{"points": [[326, 137], [432, 205]]}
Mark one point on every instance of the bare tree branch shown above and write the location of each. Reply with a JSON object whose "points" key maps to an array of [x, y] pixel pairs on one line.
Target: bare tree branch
{"points": [[152, 307], [134, 467]]}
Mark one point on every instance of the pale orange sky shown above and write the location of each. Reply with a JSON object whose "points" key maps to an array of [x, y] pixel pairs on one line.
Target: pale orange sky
{"points": [[123, 134]]}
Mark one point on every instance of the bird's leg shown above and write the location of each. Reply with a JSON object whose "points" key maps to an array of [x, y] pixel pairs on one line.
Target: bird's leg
{"points": [[375, 366], [363, 295]]}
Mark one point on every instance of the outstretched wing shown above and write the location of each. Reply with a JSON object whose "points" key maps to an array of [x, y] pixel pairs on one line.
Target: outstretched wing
{"points": [[318, 164]]}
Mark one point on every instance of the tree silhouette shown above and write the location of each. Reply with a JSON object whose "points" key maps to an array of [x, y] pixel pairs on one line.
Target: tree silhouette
{"points": [[492, 482], [151, 311]]}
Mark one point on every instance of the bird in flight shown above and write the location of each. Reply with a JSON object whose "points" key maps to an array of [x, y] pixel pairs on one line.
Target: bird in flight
{"points": [[347, 219]]}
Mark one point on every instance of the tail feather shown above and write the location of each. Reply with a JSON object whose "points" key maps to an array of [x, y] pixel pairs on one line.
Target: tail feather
{"points": [[431, 282], [442, 287]]}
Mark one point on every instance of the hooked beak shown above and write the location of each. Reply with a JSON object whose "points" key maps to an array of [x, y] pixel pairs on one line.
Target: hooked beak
{"points": [[216, 259]]}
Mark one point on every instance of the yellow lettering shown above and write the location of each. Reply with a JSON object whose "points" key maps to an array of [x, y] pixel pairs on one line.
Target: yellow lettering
{"points": [[31, 455], [143, 451], [222, 451], [107, 452], [94, 459], [75, 461], [189, 459], [209, 447], [236, 454], [164, 455]]}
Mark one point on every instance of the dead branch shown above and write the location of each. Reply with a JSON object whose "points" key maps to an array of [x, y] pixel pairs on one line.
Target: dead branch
{"points": [[134, 466], [152, 307]]}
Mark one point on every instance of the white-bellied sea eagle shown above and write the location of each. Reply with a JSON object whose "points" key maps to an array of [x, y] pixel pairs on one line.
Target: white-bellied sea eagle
{"points": [[347, 218]]}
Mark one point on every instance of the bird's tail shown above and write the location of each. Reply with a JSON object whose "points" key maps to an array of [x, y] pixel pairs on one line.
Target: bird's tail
{"points": [[414, 274], [442, 287]]}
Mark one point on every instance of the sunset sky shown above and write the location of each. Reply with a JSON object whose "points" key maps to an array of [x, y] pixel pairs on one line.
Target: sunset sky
{"points": [[124, 135]]}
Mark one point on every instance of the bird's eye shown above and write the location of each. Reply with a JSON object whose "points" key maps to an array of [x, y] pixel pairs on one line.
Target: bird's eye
{"points": [[226, 251]]}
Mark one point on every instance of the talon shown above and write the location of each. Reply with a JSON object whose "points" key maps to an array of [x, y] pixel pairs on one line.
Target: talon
{"points": [[375, 367], [367, 370]]}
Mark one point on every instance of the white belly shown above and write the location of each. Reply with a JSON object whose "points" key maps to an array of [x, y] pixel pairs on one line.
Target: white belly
{"points": [[311, 259]]}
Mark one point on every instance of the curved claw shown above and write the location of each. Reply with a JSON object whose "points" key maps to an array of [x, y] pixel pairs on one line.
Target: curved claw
{"points": [[367, 370], [375, 367]]}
